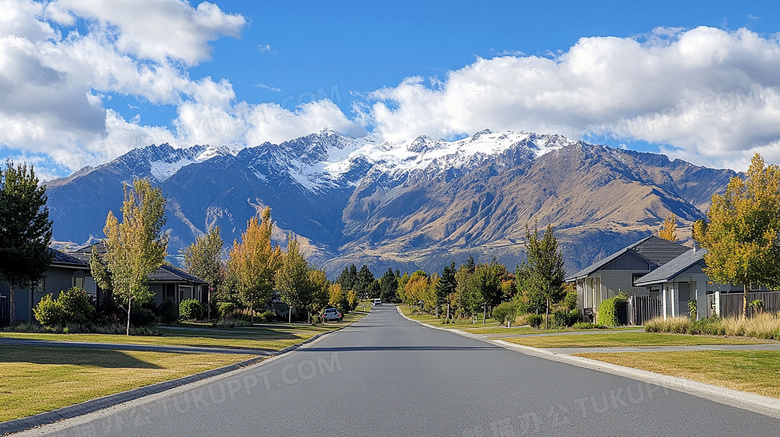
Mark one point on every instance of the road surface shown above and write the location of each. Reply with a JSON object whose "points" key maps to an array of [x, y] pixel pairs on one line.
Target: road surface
{"points": [[387, 376]]}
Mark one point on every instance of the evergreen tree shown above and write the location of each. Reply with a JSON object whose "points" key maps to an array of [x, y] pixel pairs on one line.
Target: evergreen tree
{"points": [[136, 247], [25, 229], [364, 280], [347, 278], [741, 237], [388, 284], [447, 285]]}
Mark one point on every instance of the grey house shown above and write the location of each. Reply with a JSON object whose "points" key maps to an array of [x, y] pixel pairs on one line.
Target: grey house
{"points": [[616, 273], [64, 272]]}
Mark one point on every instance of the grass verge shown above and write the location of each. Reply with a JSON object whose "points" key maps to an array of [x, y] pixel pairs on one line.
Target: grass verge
{"points": [[35, 380], [626, 339], [751, 371], [270, 338]]}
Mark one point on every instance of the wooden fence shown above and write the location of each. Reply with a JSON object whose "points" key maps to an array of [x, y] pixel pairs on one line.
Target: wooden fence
{"points": [[731, 303], [642, 309]]}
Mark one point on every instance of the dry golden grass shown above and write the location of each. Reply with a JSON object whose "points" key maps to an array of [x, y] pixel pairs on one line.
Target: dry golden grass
{"points": [[765, 326], [35, 380], [752, 371]]}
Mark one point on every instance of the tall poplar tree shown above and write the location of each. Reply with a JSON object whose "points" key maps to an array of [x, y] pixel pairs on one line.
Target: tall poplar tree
{"points": [[254, 261], [668, 230], [292, 279], [203, 258], [741, 235], [136, 246], [545, 266], [25, 229]]}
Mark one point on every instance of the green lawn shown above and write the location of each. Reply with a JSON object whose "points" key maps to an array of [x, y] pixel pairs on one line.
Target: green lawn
{"points": [[34, 380], [270, 338], [752, 371], [626, 339]]}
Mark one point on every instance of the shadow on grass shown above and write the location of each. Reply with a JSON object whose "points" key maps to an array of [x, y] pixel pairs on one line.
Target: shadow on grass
{"points": [[72, 356]]}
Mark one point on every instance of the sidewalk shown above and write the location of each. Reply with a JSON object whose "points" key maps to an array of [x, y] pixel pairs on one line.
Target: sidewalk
{"points": [[709, 347], [550, 334]]}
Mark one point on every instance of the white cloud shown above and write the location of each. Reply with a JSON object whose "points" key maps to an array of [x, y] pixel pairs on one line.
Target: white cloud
{"points": [[264, 47], [156, 29], [600, 85]]}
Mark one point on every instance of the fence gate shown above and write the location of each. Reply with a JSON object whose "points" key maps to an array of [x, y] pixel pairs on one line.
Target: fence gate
{"points": [[4, 316], [644, 308]]}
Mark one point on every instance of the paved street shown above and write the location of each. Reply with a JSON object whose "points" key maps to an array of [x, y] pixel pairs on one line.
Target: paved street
{"points": [[388, 376]]}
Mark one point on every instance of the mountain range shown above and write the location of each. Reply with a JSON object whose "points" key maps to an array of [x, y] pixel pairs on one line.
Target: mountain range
{"points": [[421, 203]]}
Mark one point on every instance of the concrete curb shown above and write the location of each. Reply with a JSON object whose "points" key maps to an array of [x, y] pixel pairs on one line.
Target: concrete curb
{"points": [[747, 401], [92, 405]]}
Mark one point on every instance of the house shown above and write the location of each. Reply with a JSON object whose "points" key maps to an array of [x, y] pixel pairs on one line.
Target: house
{"points": [[682, 280], [65, 272], [69, 270], [616, 273]]}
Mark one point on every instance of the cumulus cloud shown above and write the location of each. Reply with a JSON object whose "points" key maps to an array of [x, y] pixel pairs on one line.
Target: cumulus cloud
{"points": [[707, 94]]}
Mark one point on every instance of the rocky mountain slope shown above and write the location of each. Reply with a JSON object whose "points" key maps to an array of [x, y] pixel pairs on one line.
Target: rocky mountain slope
{"points": [[421, 203]]}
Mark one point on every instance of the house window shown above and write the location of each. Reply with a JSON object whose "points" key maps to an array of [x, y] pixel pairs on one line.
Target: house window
{"points": [[78, 282]]}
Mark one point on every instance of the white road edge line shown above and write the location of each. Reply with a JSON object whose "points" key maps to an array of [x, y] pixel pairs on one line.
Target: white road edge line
{"points": [[747, 401]]}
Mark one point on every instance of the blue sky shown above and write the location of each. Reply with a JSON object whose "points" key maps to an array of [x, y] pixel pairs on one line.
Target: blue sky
{"points": [[84, 82]]}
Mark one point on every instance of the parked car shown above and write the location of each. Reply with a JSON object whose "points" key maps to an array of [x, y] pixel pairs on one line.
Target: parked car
{"points": [[377, 302], [332, 314]]}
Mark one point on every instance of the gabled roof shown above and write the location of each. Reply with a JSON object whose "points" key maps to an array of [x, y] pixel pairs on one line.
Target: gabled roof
{"points": [[168, 273], [63, 259], [652, 249], [670, 270]]}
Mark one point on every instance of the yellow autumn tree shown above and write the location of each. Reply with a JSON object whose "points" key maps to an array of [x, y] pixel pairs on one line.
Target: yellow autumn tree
{"points": [[668, 230], [254, 261], [741, 231]]}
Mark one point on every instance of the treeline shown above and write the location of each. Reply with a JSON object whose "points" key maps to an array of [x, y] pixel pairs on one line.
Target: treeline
{"points": [[535, 287]]}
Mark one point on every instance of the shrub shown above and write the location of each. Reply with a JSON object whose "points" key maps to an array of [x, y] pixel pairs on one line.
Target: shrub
{"points": [[560, 317], [75, 306], [49, 312], [607, 311], [573, 317], [586, 325], [709, 326], [535, 320], [190, 309], [570, 300], [141, 315], [169, 314], [505, 311], [224, 309]]}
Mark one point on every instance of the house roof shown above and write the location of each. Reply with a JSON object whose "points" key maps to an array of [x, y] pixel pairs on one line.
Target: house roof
{"points": [[673, 268], [652, 249], [168, 273], [62, 258]]}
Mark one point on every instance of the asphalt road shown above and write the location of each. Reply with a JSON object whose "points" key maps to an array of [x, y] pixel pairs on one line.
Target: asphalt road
{"points": [[388, 376]]}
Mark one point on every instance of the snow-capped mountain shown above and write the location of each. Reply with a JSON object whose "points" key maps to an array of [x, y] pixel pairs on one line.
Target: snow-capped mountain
{"points": [[418, 203]]}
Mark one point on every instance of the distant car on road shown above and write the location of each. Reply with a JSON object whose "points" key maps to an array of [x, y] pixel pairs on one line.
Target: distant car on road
{"points": [[377, 302], [332, 314]]}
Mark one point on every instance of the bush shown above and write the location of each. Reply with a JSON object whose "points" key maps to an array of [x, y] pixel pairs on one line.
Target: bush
{"points": [[224, 309], [169, 314], [570, 300], [535, 320], [573, 317], [75, 306], [607, 312], [505, 311], [141, 315], [49, 312], [585, 325], [190, 309], [560, 317], [709, 326]]}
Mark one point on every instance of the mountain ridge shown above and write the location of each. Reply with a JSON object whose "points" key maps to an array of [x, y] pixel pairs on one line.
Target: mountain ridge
{"points": [[414, 204]]}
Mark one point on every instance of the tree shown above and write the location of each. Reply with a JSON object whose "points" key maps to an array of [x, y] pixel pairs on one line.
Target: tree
{"points": [[363, 281], [203, 258], [292, 278], [741, 235], [388, 284], [668, 230], [347, 278], [320, 290], [25, 229], [253, 263], [545, 266], [136, 246], [447, 285]]}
